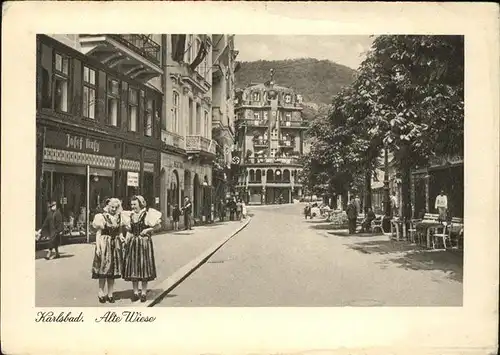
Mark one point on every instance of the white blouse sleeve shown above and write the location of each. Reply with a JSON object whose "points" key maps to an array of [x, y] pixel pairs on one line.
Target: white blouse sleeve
{"points": [[99, 221], [125, 218], [153, 218]]}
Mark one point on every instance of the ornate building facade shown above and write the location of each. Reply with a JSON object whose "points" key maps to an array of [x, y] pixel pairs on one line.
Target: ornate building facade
{"points": [[186, 163], [223, 91], [135, 112], [99, 103], [270, 139]]}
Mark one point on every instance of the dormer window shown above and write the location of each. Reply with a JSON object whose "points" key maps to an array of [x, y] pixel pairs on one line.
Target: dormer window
{"points": [[256, 96], [288, 98]]}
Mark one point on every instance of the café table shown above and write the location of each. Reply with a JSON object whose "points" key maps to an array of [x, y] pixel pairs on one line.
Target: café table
{"points": [[429, 225]]}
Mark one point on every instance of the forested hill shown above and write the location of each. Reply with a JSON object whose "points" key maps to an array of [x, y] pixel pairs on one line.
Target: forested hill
{"points": [[316, 80]]}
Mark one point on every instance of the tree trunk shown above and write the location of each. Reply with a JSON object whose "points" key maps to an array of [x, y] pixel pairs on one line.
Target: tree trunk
{"points": [[344, 199], [367, 198], [406, 190]]}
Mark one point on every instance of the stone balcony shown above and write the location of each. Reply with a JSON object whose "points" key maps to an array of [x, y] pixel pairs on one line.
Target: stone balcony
{"points": [[134, 55], [172, 140], [197, 144]]}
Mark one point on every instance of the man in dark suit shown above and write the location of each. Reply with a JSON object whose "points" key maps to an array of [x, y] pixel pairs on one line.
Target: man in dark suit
{"points": [[352, 215], [187, 209], [52, 228]]}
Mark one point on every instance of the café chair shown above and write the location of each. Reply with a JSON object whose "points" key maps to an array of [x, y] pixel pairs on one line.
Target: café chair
{"points": [[443, 236]]}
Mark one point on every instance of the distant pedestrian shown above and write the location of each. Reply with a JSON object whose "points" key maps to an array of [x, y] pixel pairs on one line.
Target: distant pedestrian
{"points": [[307, 211], [352, 215], [441, 205], [232, 208], [222, 210], [187, 209], [367, 222], [238, 210], [139, 261], [243, 209], [394, 205], [357, 203], [108, 256], [176, 214], [52, 229]]}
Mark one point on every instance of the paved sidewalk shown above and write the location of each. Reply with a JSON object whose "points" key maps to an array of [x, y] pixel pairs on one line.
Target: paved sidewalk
{"points": [[67, 282]]}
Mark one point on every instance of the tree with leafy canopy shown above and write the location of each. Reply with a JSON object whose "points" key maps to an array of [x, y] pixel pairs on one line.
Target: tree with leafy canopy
{"points": [[408, 97], [413, 86]]}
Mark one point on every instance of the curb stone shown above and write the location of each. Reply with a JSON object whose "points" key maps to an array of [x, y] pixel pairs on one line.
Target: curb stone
{"points": [[182, 273]]}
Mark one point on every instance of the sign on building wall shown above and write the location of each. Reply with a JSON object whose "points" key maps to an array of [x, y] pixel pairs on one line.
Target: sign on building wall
{"points": [[132, 179], [75, 142]]}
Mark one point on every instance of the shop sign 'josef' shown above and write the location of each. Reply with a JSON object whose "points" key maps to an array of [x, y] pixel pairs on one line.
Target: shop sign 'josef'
{"points": [[81, 143], [70, 141]]}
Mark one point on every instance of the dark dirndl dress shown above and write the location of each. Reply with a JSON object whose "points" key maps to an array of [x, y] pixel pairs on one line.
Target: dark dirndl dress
{"points": [[139, 256], [109, 265]]}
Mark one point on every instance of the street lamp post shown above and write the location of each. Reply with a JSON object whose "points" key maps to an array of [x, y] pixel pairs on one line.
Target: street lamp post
{"points": [[387, 204]]}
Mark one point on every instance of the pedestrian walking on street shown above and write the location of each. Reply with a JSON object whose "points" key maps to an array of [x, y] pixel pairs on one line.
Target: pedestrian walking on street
{"points": [[352, 215], [108, 256], [52, 229], [238, 210], [187, 213], [139, 257], [394, 204], [243, 209], [307, 211], [357, 203], [176, 214], [232, 208], [222, 210], [441, 205]]}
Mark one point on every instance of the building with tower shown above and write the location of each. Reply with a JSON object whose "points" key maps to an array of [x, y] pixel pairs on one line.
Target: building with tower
{"points": [[270, 141]]}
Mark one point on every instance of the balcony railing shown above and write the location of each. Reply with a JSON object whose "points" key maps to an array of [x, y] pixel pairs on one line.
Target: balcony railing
{"points": [[285, 143], [141, 44], [199, 143], [260, 142], [254, 160], [172, 139]]}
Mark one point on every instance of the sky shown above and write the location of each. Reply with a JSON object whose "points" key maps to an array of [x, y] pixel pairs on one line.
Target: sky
{"points": [[345, 50]]}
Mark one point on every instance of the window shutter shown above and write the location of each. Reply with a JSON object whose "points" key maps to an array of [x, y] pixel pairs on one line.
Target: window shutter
{"points": [[46, 76], [141, 114], [101, 97], [124, 107], [76, 97]]}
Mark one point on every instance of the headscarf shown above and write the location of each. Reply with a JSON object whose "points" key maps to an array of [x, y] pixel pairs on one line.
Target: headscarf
{"points": [[142, 200]]}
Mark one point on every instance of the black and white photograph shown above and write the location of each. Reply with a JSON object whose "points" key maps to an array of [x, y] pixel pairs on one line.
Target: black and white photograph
{"points": [[316, 177], [287, 183]]}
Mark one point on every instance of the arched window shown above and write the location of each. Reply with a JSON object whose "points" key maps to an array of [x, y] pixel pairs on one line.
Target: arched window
{"points": [[251, 177], [286, 175], [258, 176], [269, 175]]}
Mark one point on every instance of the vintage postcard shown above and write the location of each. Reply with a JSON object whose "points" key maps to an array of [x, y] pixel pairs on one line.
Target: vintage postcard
{"points": [[249, 178]]}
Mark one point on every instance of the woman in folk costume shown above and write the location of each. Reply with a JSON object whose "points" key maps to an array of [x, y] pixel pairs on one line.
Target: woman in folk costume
{"points": [[108, 257], [139, 256]]}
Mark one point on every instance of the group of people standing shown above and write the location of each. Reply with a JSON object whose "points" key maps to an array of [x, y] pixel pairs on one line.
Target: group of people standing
{"points": [[124, 247], [186, 211], [236, 207]]}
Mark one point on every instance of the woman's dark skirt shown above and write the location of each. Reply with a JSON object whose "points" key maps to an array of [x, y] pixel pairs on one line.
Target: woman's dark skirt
{"points": [[109, 265], [139, 260]]}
